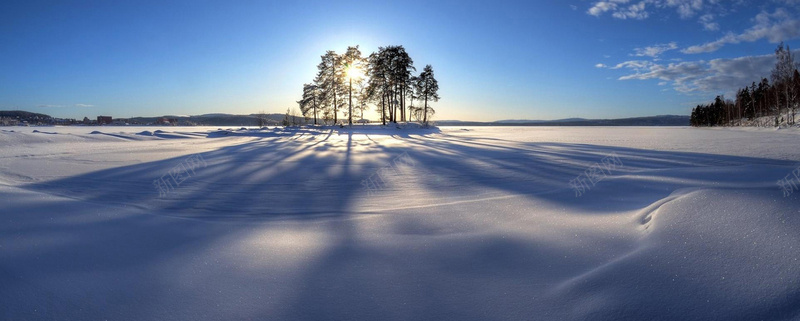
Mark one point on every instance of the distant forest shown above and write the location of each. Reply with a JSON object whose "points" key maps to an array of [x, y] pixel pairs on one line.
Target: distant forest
{"points": [[760, 104], [384, 78]]}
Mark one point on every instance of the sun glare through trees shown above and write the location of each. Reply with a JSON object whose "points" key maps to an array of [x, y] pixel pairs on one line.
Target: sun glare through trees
{"points": [[384, 79]]}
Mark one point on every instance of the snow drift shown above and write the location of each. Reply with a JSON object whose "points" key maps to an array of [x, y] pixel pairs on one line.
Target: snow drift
{"points": [[367, 223]]}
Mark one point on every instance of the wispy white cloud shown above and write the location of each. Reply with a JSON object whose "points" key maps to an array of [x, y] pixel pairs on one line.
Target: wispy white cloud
{"points": [[711, 46], [637, 65], [61, 106], [778, 20], [621, 9], [655, 50], [601, 7], [774, 27], [685, 8], [634, 11], [713, 76], [707, 20]]}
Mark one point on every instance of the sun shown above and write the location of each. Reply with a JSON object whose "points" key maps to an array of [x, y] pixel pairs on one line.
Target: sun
{"points": [[354, 72]]}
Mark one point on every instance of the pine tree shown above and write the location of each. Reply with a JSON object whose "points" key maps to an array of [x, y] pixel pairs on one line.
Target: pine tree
{"points": [[389, 83], [308, 105], [427, 89], [401, 66], [378, 80], [330, 80], [352, 62]]}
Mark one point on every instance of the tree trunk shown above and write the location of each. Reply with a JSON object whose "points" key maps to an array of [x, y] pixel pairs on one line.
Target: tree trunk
{"points": [[394, 101], [350, 113], [393, 105], [409, 108], [788, 103], [335, 105], [777, 108], [403, 103], [383, 108], [389, 103], [425, 111]]}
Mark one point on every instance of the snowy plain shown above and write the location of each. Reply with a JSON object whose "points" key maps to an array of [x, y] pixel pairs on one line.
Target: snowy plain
{"points": [[466, 223]]}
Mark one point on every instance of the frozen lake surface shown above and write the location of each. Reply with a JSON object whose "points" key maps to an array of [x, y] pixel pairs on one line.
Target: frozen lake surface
{"points": [[466, 223]]}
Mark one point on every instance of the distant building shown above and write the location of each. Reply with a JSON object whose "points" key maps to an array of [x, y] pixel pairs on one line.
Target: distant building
{"points": [[63, 121], [104, 120], [8, 122]]}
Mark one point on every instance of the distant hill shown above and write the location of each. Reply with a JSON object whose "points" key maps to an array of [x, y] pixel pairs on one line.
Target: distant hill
{"points": [[222, 119], [661, 120], [20, 114], [25, 117], [216, 119], [215, 115]]}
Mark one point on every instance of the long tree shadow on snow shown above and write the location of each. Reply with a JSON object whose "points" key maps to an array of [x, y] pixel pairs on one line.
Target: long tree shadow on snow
{"points": [[310, 174], [493, 274], [314, 175]]}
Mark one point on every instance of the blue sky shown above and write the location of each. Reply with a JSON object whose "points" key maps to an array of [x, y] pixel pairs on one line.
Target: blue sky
{"points": [[493, 59]]}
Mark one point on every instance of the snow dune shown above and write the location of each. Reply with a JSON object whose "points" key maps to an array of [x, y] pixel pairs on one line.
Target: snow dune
{"points": [[474, 223]]}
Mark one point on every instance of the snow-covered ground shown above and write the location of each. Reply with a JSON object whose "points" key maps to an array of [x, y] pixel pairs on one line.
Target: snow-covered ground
{"points": [[462, 223], [779, 121]]}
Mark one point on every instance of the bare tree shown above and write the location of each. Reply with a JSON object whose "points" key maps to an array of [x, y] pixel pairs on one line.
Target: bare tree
{"points": [[261, 119], [362, 100], [286, 119], [782, 80]]}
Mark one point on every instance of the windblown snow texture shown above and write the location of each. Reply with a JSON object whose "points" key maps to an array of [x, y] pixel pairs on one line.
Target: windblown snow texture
{"points": [[467, 223]]}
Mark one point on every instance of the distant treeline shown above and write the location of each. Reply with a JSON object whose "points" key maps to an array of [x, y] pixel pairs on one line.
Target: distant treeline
{"points": [[384, 78], [18, 117], [777, 100], [25, 115], [261, 119]]}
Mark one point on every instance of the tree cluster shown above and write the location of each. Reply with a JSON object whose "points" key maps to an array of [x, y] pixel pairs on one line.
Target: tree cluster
{"points": [[758, 100], [384, 78]]}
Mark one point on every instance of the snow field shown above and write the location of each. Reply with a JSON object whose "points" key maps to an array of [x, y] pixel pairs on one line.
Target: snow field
{"points": [[480, 224]]}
